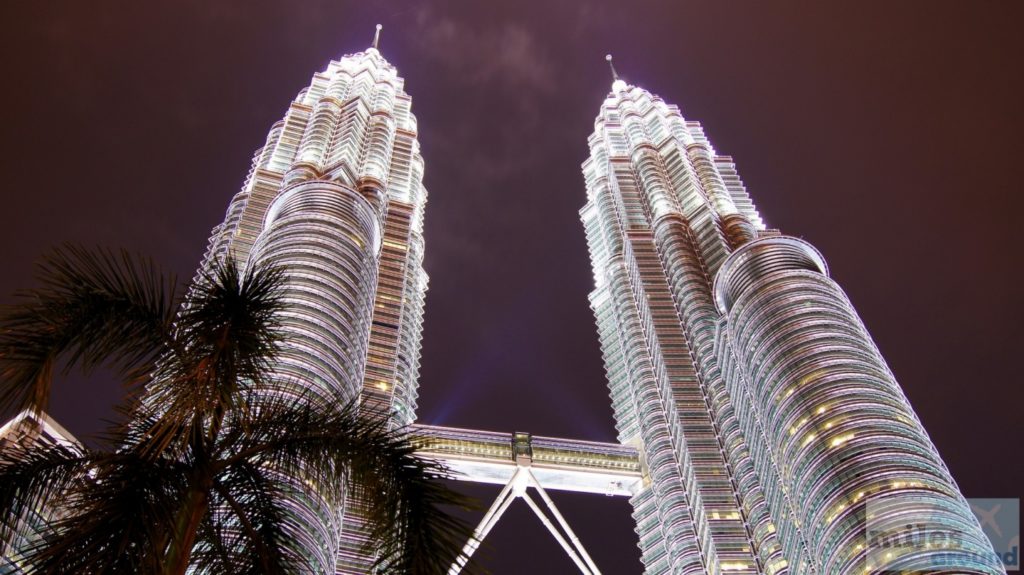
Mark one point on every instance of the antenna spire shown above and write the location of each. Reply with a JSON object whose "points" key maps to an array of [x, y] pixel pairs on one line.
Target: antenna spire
{"points": [[376, 36], [615, 75]]}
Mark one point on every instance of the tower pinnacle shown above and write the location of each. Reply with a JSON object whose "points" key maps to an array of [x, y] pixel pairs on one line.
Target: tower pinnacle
{"points": [[376, 36], [617, 83], [615, 75]]}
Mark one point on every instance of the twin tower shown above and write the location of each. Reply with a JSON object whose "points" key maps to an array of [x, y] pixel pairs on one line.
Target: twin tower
{"points": [[769, 434]]}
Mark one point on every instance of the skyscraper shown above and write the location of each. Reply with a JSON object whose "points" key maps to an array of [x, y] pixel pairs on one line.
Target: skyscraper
{"points": [[335, 198], [775, 438]]}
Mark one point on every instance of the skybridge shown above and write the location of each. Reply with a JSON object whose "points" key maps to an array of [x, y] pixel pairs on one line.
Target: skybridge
{"points": [[520, 461]]}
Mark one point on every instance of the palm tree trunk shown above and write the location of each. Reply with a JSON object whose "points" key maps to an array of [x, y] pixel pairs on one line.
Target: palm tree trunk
{"points": [[197, 502], [196, 505]]}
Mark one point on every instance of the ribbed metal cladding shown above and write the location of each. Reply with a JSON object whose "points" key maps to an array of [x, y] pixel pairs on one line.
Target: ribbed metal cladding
{"points": [[657, 195], [326, 236], [843, 445], [723, 442], [335, 197], [759, 259]]}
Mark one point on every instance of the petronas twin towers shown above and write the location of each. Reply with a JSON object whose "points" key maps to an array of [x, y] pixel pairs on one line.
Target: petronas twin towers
{"points": [[761, 431]]}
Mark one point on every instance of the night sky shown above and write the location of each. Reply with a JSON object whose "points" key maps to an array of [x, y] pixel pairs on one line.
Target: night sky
{"points": [[888, 134]]}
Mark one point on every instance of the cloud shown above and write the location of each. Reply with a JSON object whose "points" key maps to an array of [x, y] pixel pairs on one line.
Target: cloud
{"points": [[506, 54], [491, 60]]}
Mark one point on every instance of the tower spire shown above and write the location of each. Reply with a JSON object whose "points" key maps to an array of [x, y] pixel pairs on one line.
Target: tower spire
{"points": [[376, 36], [615, 75]]}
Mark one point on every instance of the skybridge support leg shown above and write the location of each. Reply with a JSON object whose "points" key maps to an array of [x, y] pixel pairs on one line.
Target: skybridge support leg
{"points": [[517, 485], [558, 536], [577, 544], [492, 516]]}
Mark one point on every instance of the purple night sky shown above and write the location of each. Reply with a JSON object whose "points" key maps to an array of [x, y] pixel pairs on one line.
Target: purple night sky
{"points": [[887, 134]]}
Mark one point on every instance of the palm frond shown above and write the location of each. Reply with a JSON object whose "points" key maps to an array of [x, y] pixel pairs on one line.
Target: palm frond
{"points": [[149, 429], [231, 321], [213, 552], [118, 521], [255, 531], [414, 537], [412, 529], [34, 481], [228, 337], [93, 307]]}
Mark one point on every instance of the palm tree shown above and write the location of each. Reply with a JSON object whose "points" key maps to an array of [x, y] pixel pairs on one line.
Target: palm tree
{"points": [[213, 451]]}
